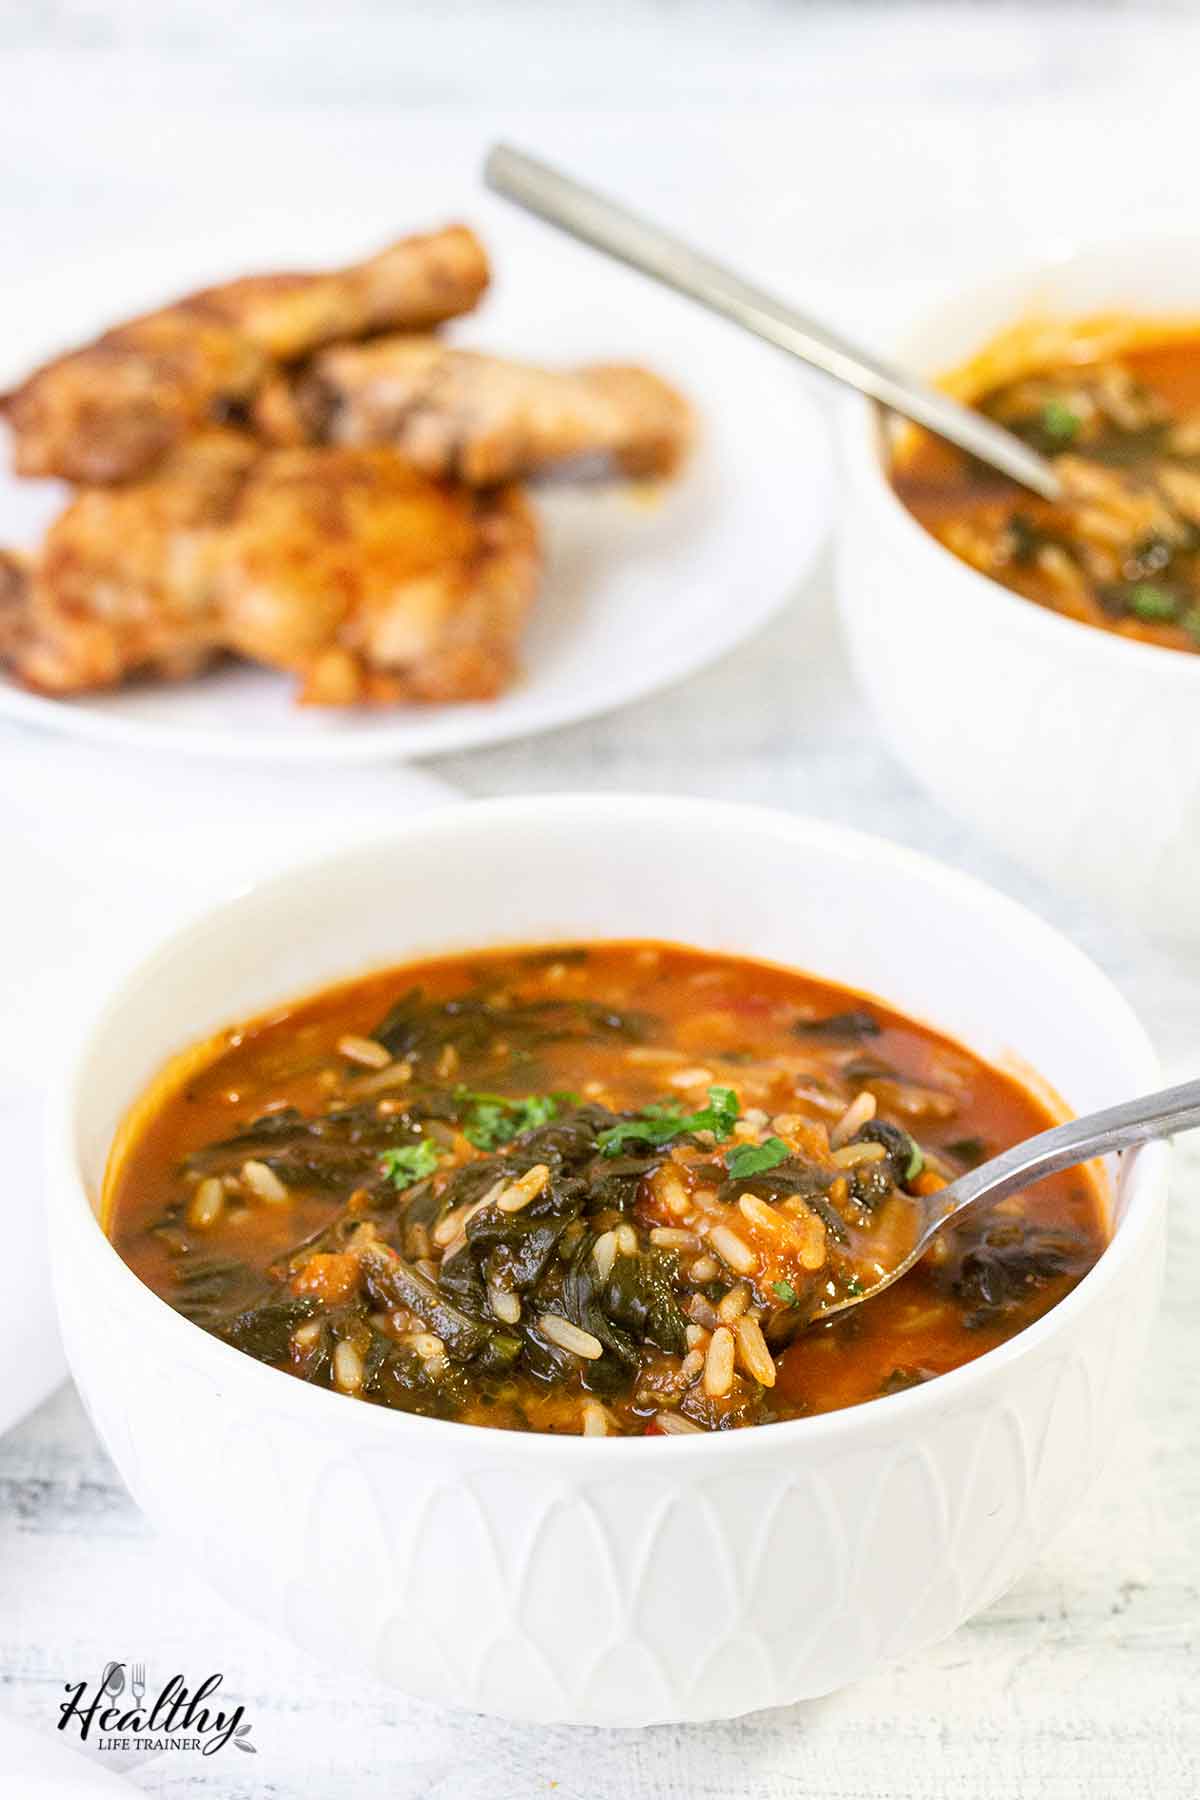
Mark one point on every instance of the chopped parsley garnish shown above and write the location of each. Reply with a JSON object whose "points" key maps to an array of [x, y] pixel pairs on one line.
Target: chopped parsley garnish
{"points": [[753, 1159], [492, 1119], [854, 1288], [1151, 602], [412, 1162], [786, 1292], [1059, 423], [657, 1124]]}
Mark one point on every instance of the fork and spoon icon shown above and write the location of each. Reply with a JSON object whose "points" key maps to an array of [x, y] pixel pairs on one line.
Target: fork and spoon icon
{"points": [[117, 1679]]}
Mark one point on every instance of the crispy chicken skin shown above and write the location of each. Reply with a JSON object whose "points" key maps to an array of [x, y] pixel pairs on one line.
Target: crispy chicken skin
{"points": [[122, 585], [479, 418], [109, 411], [15, 571], [414, 284], [372, 582]]}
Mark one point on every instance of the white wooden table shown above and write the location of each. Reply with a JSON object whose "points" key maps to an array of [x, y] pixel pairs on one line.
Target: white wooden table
{"points": [[846, 160]]}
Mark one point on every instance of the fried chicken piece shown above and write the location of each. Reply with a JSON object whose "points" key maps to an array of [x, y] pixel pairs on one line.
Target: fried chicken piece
{"points": [[374, 583], [109, 411], [371, 581], [15, 571], [414, 284], [479, 418], [122, 585]]}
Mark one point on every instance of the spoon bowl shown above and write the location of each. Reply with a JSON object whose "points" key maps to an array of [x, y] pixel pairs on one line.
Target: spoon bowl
{"points": [[1115, 1128]]}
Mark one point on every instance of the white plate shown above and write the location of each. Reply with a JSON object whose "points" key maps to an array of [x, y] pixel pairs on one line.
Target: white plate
{"points": [[636, 594], [113, 854]]}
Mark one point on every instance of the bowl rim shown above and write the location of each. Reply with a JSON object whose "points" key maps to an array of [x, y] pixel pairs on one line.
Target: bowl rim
{"points": [[858, 437], [71, 1209]]}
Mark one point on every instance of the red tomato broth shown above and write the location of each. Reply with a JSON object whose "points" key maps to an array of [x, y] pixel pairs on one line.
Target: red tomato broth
{"points": [[326, 1281], [1119, 414]]}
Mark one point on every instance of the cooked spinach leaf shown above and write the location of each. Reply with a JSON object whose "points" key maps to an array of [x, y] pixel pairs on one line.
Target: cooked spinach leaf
{"points": [[419, 1028], [394, 1282], [996, 1265], [970, 1151], [849, 1025], [265, 1331], [639, 1295], [904, 1159]]}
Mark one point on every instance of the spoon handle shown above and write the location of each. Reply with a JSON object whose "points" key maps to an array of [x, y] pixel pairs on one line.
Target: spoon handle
{"points": [[1116, 1128], [607, 226]]}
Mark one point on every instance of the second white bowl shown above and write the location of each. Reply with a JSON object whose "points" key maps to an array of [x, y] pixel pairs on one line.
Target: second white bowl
{"points": [[1072, 749]]}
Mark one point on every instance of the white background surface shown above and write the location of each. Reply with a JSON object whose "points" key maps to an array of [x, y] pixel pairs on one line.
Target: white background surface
{"points": [[857, 157]]}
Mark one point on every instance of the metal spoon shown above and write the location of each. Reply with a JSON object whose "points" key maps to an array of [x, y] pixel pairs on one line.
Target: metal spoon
{"points": [[607, 226], [1116, 1128]]}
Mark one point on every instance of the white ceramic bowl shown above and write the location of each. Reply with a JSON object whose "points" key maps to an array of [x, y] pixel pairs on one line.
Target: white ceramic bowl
{"points": [[616, 1581], [1075, 750]]}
